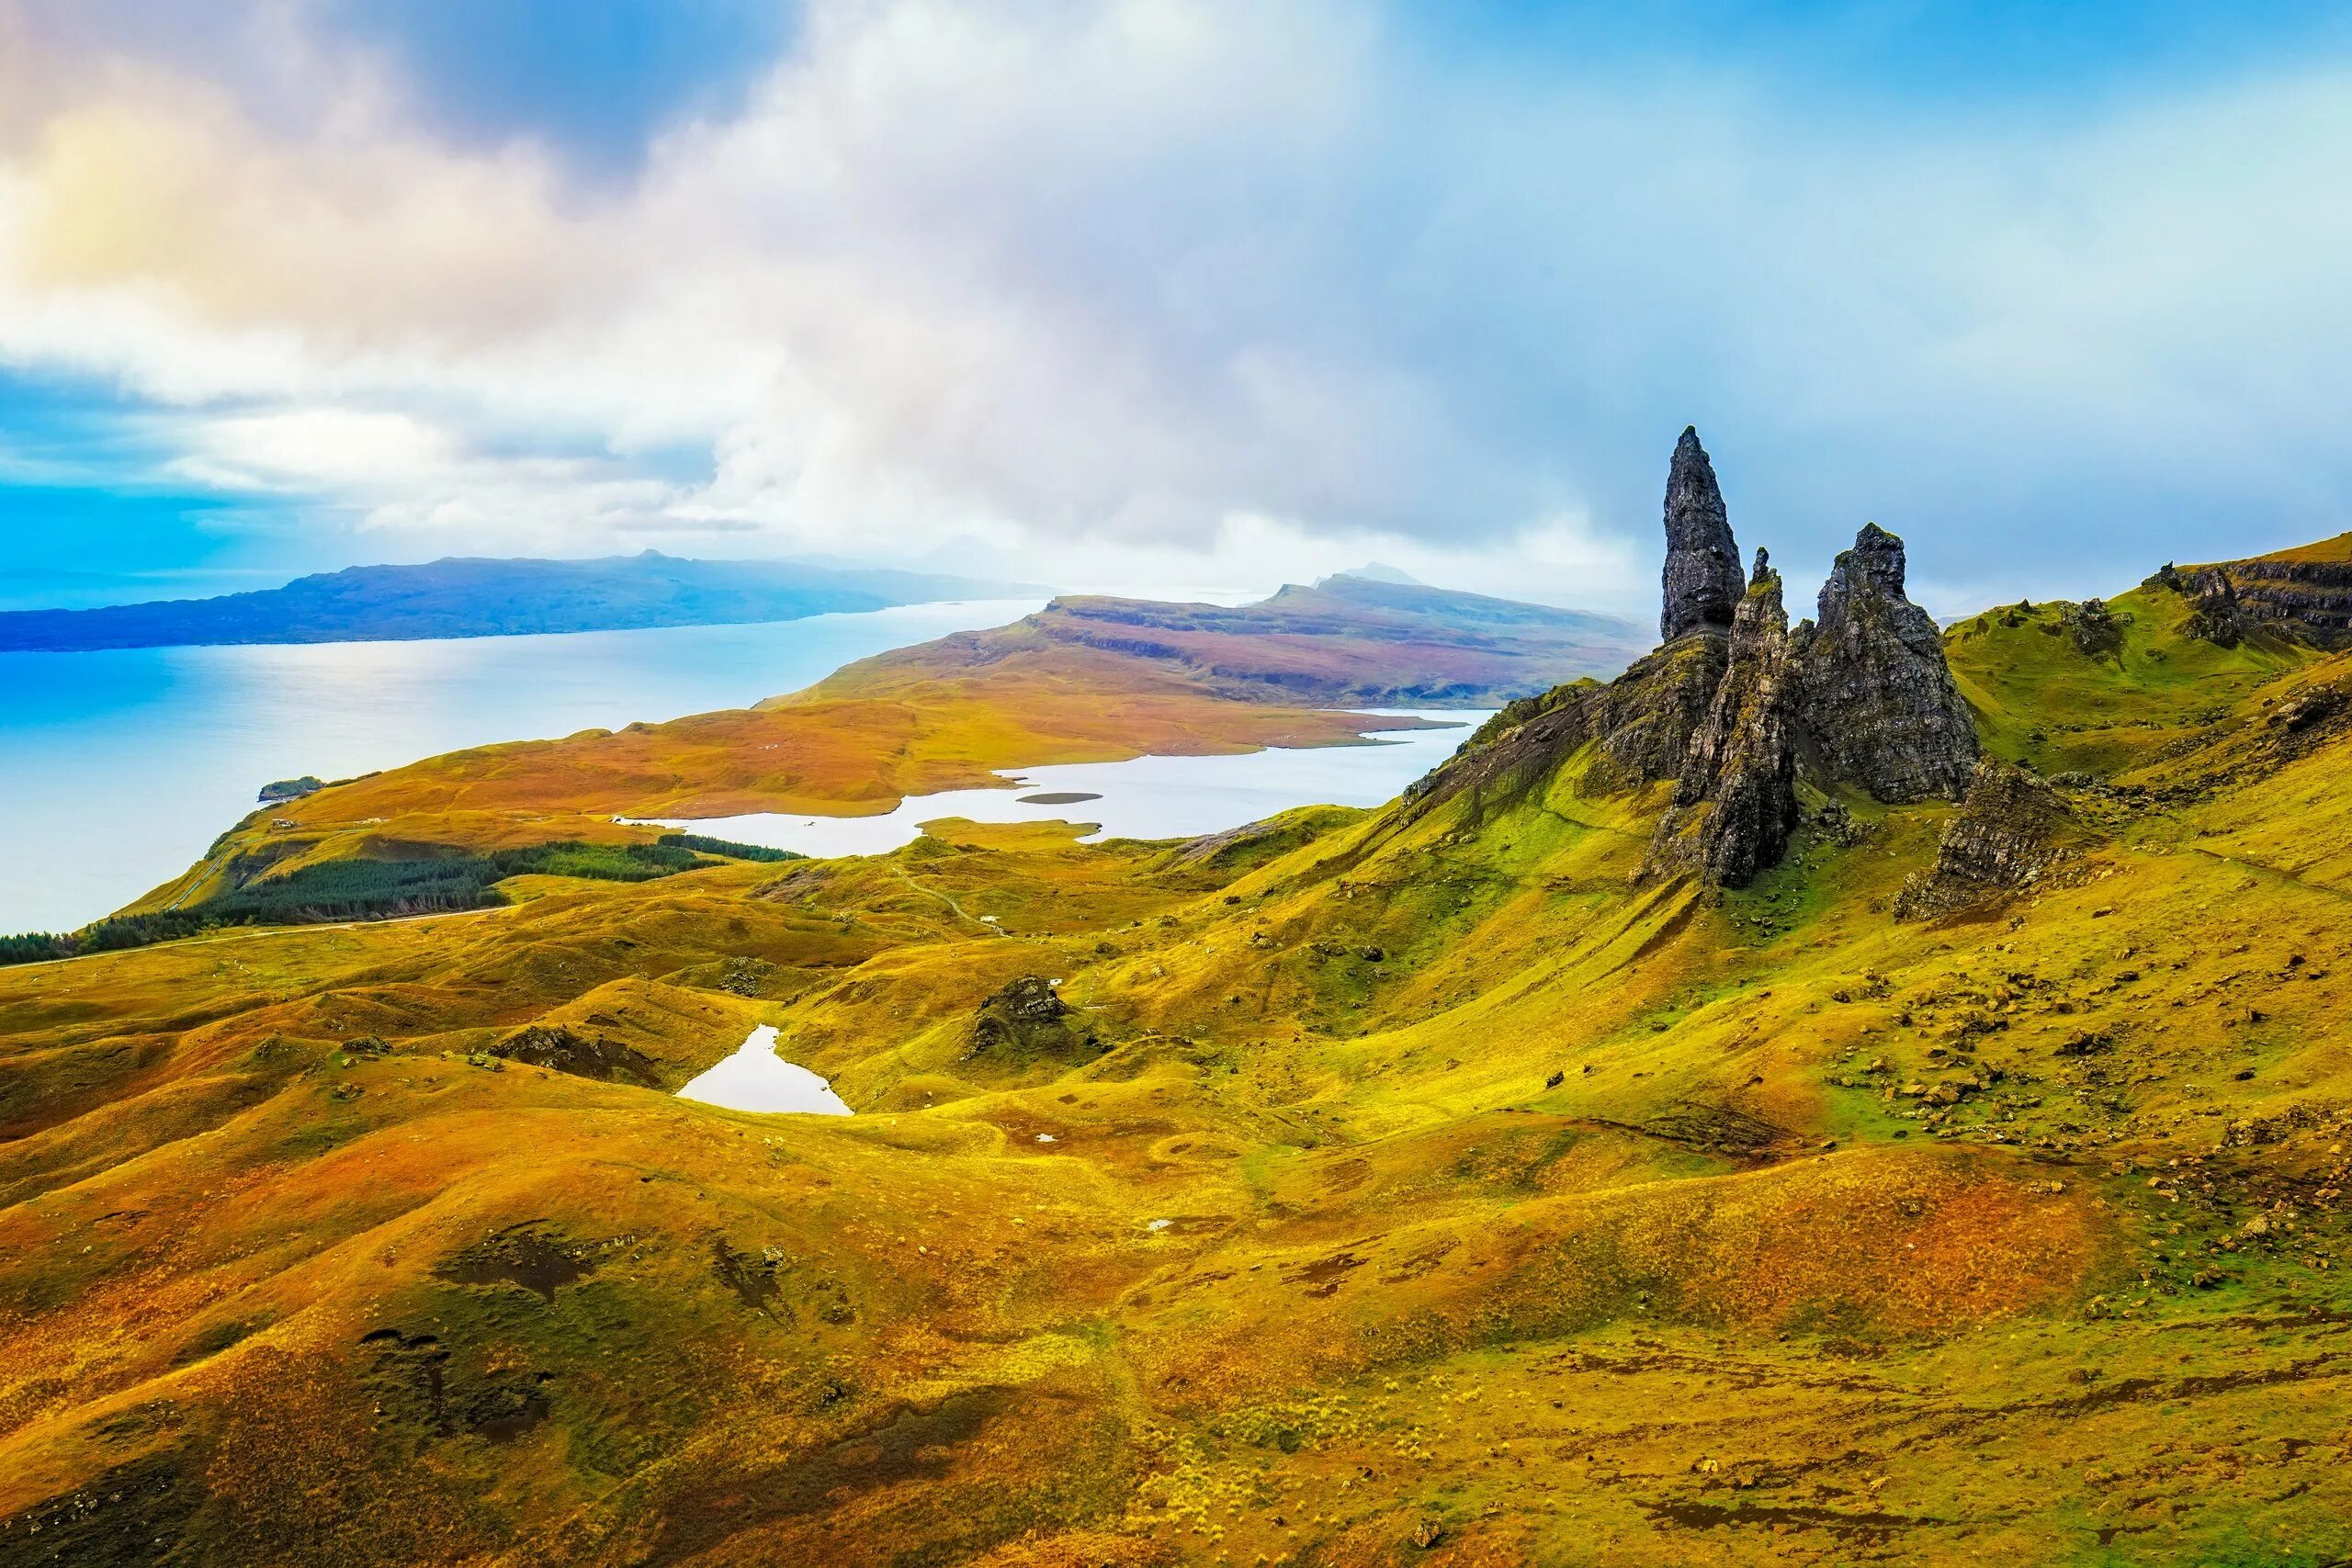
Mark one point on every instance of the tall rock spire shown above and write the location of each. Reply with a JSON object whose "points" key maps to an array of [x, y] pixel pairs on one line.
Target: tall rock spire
{"points": [[1735, 802], [1876, 695], [1703, 582]]}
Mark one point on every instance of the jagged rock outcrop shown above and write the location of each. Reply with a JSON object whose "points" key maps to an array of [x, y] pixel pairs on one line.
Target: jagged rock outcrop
{"points": [[1703, 581], [1026, 1021], [1874, 694], [1732, 703], [2216, 615], [1735, 803], [565, 1050], [2096, 629], [2012, 831], [2305, 593]]}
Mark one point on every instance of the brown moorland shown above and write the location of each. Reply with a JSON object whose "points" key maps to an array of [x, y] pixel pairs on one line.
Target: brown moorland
{"points": [[1431, 1184]]}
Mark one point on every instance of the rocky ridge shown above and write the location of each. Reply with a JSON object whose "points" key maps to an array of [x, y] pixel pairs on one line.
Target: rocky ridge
{"points": [[1734, 708], [2303, 593]]}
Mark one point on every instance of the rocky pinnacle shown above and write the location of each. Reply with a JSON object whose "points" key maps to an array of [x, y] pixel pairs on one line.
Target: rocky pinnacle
{"points": [[1703, 582], [1735, 803], [1874, 692]]}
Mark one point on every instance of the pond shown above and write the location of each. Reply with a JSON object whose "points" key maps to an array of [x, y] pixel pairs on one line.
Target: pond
{"points": [[756, 1078]]}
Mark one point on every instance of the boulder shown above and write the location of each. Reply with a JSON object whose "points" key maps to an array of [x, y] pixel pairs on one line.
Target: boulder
{"points": [[2012, 831]]}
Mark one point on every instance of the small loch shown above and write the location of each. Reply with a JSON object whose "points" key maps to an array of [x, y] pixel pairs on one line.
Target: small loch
{"points": [[1143, 797], [756, 1078]]}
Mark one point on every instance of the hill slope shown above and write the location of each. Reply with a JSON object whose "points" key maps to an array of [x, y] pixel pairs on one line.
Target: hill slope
{"points": [[473, 597], [1474, 1180], [1346, 641]]}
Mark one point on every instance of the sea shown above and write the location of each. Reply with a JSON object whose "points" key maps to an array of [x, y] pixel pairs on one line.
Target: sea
{"points": [[118, 769]]}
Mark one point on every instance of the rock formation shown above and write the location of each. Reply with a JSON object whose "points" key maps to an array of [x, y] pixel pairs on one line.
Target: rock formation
{"points": [[2095, 628], [1875, 695], [1735, 803], [1026, 1021], [2304, 594], [2012, 831], [1703, 581], [1732, 701], [2216, 617]]}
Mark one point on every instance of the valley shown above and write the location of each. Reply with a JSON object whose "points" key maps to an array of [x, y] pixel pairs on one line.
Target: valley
{"points": [[1855, 1091]]}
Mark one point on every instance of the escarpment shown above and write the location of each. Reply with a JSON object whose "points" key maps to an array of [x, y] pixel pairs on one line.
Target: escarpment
{"points": [[2303, 593], [1733, 706]]}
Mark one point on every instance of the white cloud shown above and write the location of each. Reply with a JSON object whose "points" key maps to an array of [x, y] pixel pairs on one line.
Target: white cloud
{"points": [[1114, 286]]}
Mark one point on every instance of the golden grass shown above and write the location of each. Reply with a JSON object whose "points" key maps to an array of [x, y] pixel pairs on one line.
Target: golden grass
{"points": [[1439, 1196]]}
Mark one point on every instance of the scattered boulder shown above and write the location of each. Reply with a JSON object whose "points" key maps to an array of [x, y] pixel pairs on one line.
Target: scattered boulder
{"points": [[2309, 708], [1875, 695]]}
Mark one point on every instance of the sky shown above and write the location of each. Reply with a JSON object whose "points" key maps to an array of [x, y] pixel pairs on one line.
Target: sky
{"points": [[1160, 295]]}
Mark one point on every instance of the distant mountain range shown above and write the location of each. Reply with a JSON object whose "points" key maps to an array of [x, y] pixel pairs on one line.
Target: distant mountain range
{"points": [[1347, 641], [477, 597]]}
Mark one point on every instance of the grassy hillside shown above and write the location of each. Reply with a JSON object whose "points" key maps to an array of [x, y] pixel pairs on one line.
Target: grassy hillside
{"points": [[1346, 641], [1417, 1185]]}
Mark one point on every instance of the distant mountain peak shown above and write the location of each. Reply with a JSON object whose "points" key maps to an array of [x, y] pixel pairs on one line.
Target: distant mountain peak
{"points": [[1377, 572]]}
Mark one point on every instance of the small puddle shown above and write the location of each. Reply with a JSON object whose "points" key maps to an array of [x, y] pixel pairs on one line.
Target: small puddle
{"points": [[756, 1078]]}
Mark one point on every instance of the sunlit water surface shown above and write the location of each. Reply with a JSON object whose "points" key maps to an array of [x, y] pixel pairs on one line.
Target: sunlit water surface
{"points": [[1147, 797], [116, 769], [756, 1078]]}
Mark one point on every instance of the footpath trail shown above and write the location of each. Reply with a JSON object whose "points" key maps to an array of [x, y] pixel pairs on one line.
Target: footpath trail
{"points": [[961, 913]]}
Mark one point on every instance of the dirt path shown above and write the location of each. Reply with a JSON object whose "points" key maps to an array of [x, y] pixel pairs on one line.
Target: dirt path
{"points": [[961, 913]]}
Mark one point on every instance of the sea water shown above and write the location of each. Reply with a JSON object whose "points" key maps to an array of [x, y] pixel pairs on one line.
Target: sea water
{"points": [[117, 768]]}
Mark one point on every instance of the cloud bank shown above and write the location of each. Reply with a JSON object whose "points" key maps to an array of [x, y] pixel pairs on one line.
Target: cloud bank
{"points": [[1155, 292]]}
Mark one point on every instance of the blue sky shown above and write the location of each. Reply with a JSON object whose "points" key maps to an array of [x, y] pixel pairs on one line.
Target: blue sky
{"points": [[1157, 292]]}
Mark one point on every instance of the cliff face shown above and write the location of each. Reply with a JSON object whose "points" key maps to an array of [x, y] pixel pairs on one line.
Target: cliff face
{"points": [[1735, 802], [1703, 581], [1875, 693], [2305, 593], [2217, 617]]}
